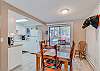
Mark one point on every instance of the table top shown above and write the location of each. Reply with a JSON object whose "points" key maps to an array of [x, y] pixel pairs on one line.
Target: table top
{"points": [[51, 52]]}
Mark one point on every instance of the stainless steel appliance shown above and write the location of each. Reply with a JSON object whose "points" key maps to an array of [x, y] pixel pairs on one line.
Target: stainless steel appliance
{"points": [[10, 41]]}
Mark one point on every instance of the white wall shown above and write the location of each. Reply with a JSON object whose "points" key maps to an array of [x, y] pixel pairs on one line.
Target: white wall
{"points": [[44, 29], [78, 33], [92, 36], [98, 35], [98, 44], [91, 40], [11, 24]]}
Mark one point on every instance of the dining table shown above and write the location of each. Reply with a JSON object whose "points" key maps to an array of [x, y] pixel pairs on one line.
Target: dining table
{"points": [[49, 54]]}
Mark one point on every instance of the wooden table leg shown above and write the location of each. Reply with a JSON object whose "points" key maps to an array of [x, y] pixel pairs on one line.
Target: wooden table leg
{"points": [[37, 63], [66, 65], [71, 68]]}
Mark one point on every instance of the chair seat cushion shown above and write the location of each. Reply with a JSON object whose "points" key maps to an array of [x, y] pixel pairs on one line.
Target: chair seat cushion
{"points": [[54, 64]]}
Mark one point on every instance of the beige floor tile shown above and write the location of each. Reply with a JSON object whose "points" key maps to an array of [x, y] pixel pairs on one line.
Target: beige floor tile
{"points": [[29, 64]]}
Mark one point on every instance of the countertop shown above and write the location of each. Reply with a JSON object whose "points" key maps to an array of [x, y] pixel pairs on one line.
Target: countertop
{"points": [[15, 45]]}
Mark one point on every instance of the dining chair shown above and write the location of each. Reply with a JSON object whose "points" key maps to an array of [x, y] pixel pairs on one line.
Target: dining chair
{"points": [[81, 51], [71, 56], [49, 64]]}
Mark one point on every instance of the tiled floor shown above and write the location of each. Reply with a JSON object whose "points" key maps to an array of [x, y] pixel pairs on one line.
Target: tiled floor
{"points": [[81, 65], [29, 64]]}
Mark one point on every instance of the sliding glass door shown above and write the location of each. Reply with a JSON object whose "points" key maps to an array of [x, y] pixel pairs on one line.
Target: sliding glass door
{"points": [[57, 33]]}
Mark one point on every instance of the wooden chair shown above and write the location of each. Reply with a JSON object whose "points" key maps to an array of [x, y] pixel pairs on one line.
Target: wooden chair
{"points": [[71, 56], [81, 51], [44, 61], [69, 59]]}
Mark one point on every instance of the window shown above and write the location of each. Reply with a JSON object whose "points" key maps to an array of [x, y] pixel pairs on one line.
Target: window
{"points": [[58, 34]]}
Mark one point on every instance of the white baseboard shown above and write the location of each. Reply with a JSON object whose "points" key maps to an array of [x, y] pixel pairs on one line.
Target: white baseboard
{"points": [[90, 63]]}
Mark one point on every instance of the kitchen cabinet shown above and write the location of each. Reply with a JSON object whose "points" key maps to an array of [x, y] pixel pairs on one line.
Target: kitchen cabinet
{"points": [[21, 30], [35, 32], [14, 56], [32, 44]]}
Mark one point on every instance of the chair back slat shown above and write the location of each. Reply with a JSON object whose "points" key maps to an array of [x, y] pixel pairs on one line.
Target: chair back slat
{"points": [[82, 45], [72, 50], [72, 55], [41, 52], [43, 45]]}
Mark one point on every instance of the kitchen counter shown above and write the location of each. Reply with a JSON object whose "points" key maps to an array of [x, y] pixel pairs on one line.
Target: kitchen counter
{"points": [[15, 45], [15, 55]]}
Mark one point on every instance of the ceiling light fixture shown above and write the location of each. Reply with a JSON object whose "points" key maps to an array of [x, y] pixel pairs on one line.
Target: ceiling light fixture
{"points": [[21, 20], [64, 11]]}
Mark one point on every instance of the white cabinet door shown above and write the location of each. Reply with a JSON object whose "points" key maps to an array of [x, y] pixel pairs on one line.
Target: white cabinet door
{"points": [[14, 57], [32, 45], [36, 44], [36, 32]]}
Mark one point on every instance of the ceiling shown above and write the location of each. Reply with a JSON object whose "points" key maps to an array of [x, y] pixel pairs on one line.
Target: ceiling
{"points": [[47, 10]]}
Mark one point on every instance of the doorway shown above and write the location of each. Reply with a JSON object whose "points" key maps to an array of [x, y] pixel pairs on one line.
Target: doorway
{"points": [[4, 8], [24, 36]]}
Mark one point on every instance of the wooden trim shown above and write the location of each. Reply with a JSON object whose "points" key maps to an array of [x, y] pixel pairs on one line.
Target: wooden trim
{"points": [[19, 11], [3, 36], [64, 21], [4, 7]]}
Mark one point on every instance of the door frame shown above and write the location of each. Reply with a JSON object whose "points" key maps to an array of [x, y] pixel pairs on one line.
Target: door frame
{"points": [[4, 7]]}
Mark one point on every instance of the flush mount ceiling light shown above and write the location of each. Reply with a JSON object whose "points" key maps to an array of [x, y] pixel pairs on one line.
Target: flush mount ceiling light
{"points": [[21, 20], [64, 11]]}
